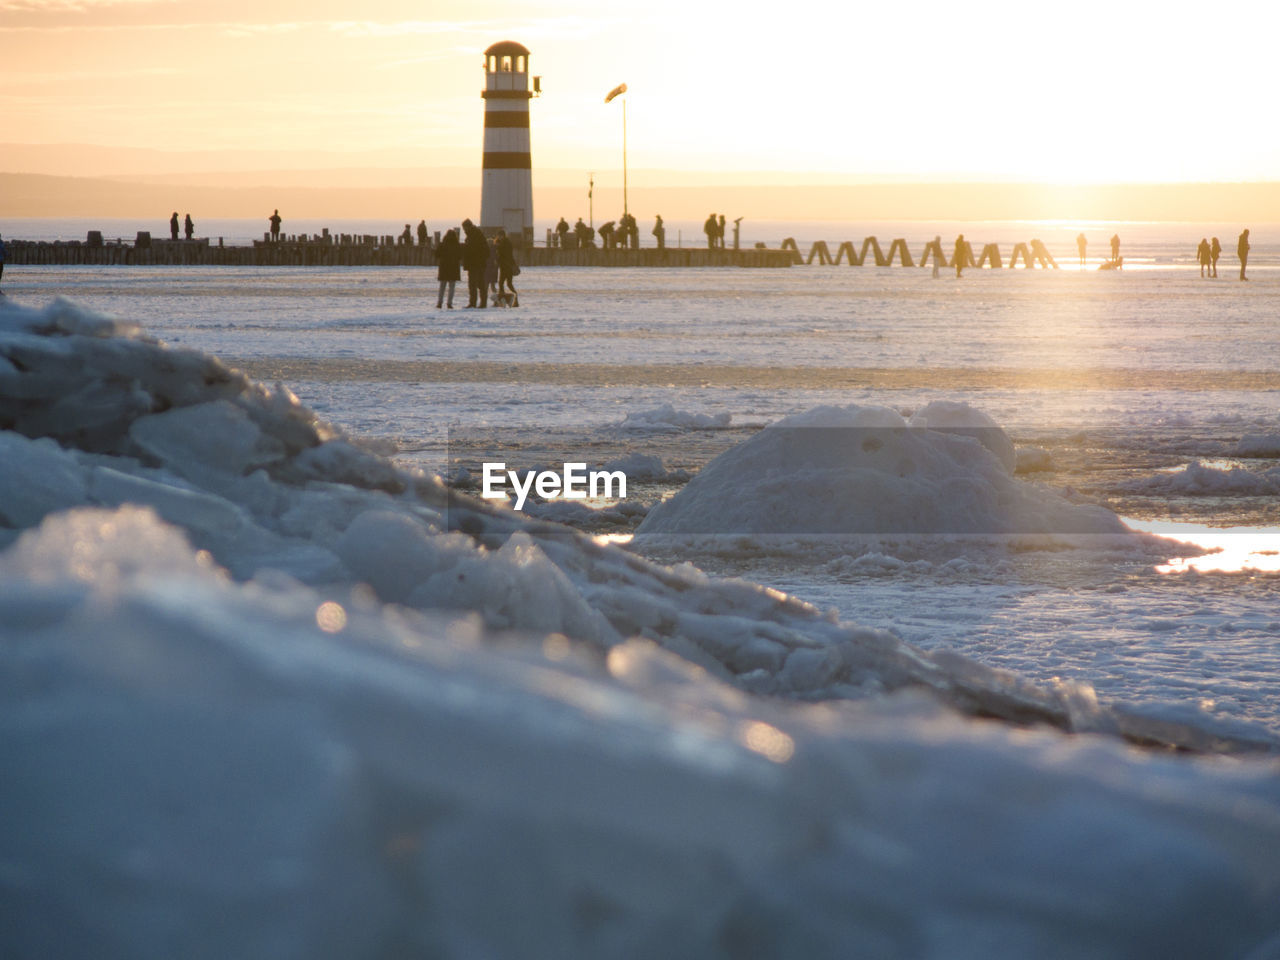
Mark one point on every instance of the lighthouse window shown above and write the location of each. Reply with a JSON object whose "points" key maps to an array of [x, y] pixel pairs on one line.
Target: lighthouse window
{"points": [[493, 64], [519, 64], [506, 64]]}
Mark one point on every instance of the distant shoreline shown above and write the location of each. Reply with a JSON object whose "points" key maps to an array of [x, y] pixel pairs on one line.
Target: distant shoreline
{"points": [[39, 196]]}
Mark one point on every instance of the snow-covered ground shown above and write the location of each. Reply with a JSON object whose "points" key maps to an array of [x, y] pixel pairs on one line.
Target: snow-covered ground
{"points": [[271, 693]]}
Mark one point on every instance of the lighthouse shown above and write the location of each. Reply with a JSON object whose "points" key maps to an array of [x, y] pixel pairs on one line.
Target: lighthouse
{"points": [[506, 196]]}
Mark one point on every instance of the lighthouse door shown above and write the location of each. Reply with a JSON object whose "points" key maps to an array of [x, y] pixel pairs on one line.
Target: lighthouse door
{"points": [[513, 223]]}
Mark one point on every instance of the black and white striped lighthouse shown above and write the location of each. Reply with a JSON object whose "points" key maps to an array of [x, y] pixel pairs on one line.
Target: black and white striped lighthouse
{"points": [[506, 196]]}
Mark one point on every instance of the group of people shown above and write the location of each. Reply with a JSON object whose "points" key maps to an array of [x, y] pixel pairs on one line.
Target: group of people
{"points": [[714, 229], [1208, 251], [490, 265], [424, 240], [1116, 261], [187, 224], [625, 232]]}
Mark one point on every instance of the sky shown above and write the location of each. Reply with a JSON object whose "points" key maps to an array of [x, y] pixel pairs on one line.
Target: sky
{"points": [[1085, 92]]}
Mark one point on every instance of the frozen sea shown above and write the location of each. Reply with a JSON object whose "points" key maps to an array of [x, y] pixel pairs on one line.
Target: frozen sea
{"points": [[1148, 391], [1135, 387]]}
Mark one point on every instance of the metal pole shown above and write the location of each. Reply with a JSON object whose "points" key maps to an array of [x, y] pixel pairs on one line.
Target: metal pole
{"points": [[624, 155]]}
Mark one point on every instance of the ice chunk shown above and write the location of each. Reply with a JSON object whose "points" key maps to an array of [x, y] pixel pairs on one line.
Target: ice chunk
{"points": [[516, 587], [90, 545], [190, 509], [37, 477], [207, 437], [395, 553]]}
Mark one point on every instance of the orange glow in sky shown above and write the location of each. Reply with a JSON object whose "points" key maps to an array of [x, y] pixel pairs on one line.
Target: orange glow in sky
{"points": [[1086, 92]]}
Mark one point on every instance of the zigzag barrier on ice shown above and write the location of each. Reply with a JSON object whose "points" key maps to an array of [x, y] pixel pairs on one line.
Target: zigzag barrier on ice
{"points": [[1030, 254]]}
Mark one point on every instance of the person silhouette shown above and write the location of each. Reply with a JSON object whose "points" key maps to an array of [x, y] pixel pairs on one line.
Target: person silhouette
{"points": [[1204, 255], [720, 232], [188, 226], [173, 226], [1081, 245], [709, 228], [1242, 251], [448, 267], [275, 225], [936, 248], [960, 256], [1215, 251], [422, 233], [1115, 249], [659, 232], [506, 268]]}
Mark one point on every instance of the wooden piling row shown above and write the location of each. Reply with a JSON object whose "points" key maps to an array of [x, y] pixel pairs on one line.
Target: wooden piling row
{"points": [[359, 252]]}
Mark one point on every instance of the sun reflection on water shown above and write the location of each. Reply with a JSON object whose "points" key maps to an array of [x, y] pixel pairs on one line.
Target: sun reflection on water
{"points": [[1233, 549]]}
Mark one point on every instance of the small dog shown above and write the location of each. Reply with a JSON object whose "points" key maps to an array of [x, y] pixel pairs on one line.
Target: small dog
{"points": [[505, 299]]}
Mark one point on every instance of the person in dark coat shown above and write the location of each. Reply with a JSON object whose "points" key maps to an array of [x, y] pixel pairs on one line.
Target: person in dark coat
{"points": [[475, 256], [274, 220], [1215, 251], [1242, 251], [1204, 254], [422, 233], [189, 226], [448, 267], [507, 267], [491, 271], [173, 226]]}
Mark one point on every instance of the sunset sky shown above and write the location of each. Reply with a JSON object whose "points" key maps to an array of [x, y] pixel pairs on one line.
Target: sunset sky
{"points": [[1087, 92]]}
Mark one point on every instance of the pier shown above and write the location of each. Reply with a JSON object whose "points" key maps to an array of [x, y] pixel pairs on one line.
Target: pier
{"points": [[355, 251], [344, 250]]}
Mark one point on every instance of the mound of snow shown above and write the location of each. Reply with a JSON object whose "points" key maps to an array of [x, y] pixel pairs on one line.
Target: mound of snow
{"points": [[667, 417], [866, 470]]}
